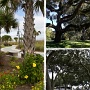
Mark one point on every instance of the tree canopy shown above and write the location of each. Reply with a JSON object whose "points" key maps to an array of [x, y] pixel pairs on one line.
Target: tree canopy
{"points": [[68, 15], [72, 67]]}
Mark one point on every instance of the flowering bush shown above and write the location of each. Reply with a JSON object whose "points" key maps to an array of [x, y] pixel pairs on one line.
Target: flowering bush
{"points": [[31, 71]]}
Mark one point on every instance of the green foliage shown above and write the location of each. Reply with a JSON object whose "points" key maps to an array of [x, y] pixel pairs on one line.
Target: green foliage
{"points": [[7, 20], [8, 82], [72, 35], [13, 64], [6, 38], [69, 44], [72, 67], [38, 86], [75, 24], [16, 38], [49, 34], [13, 58], [7, 44], [28, 72]]}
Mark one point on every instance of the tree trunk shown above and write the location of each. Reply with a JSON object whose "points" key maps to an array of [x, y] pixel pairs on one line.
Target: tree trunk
{"points": [[58, 35], [83, 35], [52, 79], [0, 39], [48, 82], [29, 27], [65, 86]]}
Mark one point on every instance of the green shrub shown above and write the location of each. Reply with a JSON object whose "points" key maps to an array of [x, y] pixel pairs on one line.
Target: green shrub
{"points": [[8, 82], [7, 44], [38, 86], [13, 58], [14, 64], [31, 71]]}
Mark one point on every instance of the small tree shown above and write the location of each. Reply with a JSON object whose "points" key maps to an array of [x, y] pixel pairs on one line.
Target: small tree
{"points": [[15, 38], [6, 38]]}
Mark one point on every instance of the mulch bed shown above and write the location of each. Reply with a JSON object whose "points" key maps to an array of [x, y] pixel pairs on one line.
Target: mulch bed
{"points": [[23, 87]]}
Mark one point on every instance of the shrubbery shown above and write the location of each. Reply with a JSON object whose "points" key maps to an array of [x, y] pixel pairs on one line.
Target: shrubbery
{"points": [[38, 86], [8, 81], [31, 71]]}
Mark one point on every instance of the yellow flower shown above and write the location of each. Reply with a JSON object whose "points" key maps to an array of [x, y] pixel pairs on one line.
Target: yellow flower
{"points": [[34, 64], [17, 67], [26, 76]]}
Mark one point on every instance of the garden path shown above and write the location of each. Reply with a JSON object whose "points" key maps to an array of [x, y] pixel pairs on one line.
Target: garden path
{"points": [[14, 50]]}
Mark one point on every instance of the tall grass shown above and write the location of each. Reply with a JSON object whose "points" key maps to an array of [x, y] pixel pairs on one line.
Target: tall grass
{"points": [[39, 46]]}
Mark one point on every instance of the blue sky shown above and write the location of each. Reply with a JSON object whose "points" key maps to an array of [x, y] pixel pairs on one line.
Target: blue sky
{"points": [[39, 24]]}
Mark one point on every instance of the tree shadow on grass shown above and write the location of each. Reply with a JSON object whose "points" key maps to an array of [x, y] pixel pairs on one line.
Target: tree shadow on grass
{"points": [[68, 44]]}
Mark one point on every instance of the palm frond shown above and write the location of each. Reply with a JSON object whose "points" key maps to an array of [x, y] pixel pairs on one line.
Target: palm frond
{"points": [[39, 5]]}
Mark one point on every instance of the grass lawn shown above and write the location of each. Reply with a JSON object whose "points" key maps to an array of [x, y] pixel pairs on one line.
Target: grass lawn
{"points": [[68, 44]]}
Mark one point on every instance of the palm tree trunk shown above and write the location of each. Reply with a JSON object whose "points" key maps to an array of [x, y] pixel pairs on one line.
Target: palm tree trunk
{"points": [[29, 27], [0, 39]]}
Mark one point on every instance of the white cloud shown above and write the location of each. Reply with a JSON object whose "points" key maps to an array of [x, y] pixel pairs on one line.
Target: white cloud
{"points": [[39, 25]]}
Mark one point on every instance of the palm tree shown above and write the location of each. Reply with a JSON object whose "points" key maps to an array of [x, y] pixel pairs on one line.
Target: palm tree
{"points": [[7, 21], [28, 7]]}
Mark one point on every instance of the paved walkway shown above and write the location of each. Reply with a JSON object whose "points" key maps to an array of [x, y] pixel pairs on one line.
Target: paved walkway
{"points": [[10, 49], [13, 49]]}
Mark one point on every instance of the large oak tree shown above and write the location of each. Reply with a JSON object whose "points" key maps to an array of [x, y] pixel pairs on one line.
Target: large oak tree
{"points": [[68, 67], [69, 15]]}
